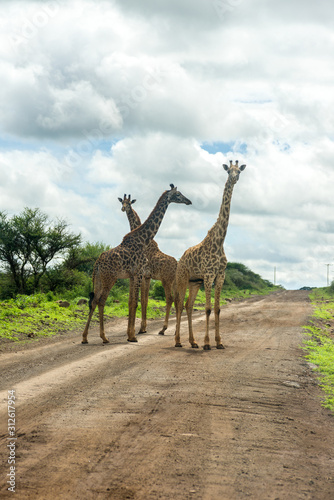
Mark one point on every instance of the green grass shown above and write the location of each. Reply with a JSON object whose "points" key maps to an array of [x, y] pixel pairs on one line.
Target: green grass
{"points": [[35, 316], [319, 341]]}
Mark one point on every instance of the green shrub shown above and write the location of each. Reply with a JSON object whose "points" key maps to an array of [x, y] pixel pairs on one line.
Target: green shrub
{"points": [[7, 286], [239, 276], [157, 291], [50, 296]]}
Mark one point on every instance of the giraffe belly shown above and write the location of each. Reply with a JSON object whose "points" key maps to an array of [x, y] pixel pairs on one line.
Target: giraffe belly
{"points": [[124, 275], [211, 269]]}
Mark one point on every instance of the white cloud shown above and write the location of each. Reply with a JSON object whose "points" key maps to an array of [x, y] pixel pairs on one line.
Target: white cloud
{"points": [[99, 99]]}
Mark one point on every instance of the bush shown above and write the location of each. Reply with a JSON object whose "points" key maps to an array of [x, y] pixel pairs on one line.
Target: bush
{"points": [[157, 291], [7, 286], [118, 291], [50, 296], [239, 276], [228, 282]]}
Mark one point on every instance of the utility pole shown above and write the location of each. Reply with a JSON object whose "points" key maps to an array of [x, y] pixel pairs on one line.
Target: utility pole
{"points": [[328, 273]]}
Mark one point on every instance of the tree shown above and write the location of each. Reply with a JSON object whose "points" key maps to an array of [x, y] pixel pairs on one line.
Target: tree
{"points": [[29, 242], [75, 270], [83, 258]]}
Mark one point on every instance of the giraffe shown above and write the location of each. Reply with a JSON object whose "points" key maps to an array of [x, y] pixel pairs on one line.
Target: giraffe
{"points": [[160, 267], [127, 261], [205, 263]]}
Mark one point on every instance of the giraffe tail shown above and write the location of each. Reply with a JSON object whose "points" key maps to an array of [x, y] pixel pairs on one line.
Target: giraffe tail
{"points": [[91, 297]]}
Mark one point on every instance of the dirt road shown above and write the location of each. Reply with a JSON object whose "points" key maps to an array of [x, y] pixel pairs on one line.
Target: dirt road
{"points": [[150, 421]]}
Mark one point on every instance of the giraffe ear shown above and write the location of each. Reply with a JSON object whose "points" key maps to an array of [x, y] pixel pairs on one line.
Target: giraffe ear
{"points": [[242, 167], [225, 167], [133, 201], [120, 199]]}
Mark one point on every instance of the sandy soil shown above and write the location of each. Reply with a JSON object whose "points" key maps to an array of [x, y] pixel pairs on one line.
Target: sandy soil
{"points": [[150, 421]]}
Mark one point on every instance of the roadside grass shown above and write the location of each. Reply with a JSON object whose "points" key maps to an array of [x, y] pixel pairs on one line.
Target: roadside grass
{"points": [[319, 341], [29, 317]]}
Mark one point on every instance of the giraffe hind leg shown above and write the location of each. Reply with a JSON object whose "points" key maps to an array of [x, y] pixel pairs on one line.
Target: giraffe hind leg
{"points": [[101, 303], [102, 333], [92, 306]]}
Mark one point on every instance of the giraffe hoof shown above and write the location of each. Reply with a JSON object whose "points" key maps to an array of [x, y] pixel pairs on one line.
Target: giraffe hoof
{"points": [[194, 346], [84, 342], [105, 341], [133, 340], [220, 346], [207, 347], [178, 344], [162, 332], [141, 331]]}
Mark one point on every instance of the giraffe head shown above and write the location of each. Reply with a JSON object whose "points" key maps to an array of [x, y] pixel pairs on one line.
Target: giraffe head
{"points": [[175, 196], [234, 171], [126, 203]]}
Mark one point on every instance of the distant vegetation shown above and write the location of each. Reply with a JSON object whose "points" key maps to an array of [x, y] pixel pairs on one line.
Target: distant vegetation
{"points": [[240, 277], [39, 255], [43, 262]]}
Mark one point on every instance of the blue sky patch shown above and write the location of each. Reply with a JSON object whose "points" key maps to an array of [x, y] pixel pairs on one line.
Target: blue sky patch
{"points": [[224, 147]]}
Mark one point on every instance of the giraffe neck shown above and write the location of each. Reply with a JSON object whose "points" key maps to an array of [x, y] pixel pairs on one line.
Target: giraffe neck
{"points": [[133, 218], [146, 232], [224, 212]]}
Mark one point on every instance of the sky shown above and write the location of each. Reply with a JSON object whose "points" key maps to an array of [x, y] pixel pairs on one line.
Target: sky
{"points": [[99, 99]]}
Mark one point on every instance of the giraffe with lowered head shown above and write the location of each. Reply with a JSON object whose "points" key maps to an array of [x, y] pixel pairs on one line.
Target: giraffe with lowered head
{"points": [[205, 263], [127, 260], [160, 267]]}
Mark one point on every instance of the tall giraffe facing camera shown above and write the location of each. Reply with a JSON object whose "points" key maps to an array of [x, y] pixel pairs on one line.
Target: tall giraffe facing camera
{"points": [[205, 263]]}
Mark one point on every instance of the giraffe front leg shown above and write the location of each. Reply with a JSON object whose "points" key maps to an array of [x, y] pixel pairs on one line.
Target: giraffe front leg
{"points": [[93, 305], [207, 286], [179, 288], [218, 287], [101, 303], [169, 302], [144, 291], [135, 282], [179, 301], [193, 290]]}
